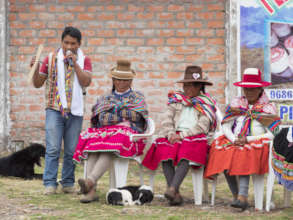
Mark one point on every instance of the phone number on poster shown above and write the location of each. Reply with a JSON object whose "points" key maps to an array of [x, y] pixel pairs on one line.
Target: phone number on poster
{"points": [[280, 94]]}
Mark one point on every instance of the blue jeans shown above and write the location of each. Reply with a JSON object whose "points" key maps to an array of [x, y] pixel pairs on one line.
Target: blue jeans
{"points": [[58, 128]]}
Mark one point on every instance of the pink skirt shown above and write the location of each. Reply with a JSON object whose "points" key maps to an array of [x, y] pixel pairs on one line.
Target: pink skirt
{"points": [[193, 149], [113, 138]]}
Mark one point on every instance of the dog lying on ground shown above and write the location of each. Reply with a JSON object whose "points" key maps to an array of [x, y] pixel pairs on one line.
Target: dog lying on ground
{"points": [[130, 195], [21, 163]]}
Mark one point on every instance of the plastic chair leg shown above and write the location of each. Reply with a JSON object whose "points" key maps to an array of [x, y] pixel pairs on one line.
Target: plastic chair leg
{"points": [[214, 185], [197, 180], [258, 185], [120, 170], [287, 198]]}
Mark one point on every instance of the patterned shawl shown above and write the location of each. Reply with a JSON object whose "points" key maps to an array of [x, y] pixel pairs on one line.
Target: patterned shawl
{"points": [[203, 103], [262, 111], [109, 103]]}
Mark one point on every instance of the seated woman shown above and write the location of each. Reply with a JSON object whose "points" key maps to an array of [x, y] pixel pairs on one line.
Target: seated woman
{"points": [[283, 157], [115, 116], [248, 127], [182, 142]]}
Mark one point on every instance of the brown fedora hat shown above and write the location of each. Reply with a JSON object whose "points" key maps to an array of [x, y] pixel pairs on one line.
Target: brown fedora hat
{"points": [[122, 70], [194, 74]]}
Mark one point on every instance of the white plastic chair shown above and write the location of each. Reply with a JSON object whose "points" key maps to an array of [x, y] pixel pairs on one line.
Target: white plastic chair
{"points": [[119, 167]]}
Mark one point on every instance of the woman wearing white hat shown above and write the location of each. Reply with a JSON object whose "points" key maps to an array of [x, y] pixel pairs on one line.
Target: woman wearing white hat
{"points": [[248, 126], [114, 117]]}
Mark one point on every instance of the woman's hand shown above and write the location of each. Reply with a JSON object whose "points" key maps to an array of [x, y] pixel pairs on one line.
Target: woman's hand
{"points": [[174, 138], [33, 61], [240, 141]]}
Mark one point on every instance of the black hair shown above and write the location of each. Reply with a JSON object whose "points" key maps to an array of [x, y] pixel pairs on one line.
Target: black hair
{"points": [[72, 32], [202, 86]]}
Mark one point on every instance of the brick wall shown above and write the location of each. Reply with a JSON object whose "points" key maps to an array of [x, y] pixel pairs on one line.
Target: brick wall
{"points": [[160, 38]]}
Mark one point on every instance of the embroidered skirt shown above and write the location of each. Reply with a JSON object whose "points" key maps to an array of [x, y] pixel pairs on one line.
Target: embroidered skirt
{"points": [[251, 158], [114, 138], [193, 149], [282, 163]]}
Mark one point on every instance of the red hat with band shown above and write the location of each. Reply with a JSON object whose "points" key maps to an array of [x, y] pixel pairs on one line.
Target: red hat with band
{"points": [[252, 79]]}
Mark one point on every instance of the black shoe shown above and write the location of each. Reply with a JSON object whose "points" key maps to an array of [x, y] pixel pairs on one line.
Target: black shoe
{"points": [[238, 204], [234, 203]]}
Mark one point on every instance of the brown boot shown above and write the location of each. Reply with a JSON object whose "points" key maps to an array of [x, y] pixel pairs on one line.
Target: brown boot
{"points": [[178, 200], [170, 193], [85, 185], [89, 197]]}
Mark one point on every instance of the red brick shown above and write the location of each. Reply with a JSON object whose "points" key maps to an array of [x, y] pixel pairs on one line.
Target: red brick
{"points": [[175, 41], [205, 15], [185, 49], [86, 17], [216, 7], [56, 8], [219, 57], [195, 7], [166, 33], [184, 33], [17, 24], [95, 41], [47, 33], [176, 24], [37, 8], [115, 8], [165, 83], [216, 24], [175, 8], [145, 50], [156, 24], [156, 8], [18, 41], [174, 75], [205, 33], [27, 33], [115, 41], [194, 57], [125, 16], [47, 16], [216, 41], [176, 58], [156, 75], [35, 108], [194, 24], [105, 16], [194, 41], [105, 33], [76, 9], [165, 16], [220, 33], [56, 24], [145, 33], [185, 16], [154, 41], [207, 66], [54, 41], [165, 49], [95, 8], [220, 15], [125, 33], [135, 42], [38, 24], [145, 16], [134, 8]]}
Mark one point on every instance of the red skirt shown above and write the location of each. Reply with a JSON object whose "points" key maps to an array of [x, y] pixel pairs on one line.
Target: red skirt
{"points": [[251, 158], [193, 149], [113, 138]]}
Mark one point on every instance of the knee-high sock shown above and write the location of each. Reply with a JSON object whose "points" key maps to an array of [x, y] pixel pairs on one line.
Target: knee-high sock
{"points": [[180, 174], [243, 185], [91, 161], [169, 171], [101, 166], [232, 183]]}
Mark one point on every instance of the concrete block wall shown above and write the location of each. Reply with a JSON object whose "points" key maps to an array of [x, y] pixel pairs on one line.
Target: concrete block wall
{"points": [[160, 38]]}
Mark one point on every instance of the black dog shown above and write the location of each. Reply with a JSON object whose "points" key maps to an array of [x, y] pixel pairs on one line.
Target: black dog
{"points": [[21, 163], [130, 195]]}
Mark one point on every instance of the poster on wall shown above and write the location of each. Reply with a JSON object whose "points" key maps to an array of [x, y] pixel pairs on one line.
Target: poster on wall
{"points": [[266, 42]]}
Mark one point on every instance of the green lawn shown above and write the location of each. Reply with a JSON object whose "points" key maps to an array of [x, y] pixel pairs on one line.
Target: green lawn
{"points": [[25, 200]]}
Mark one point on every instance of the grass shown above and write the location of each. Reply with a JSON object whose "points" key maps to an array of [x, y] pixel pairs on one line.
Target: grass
{"points": [[24, 199]]}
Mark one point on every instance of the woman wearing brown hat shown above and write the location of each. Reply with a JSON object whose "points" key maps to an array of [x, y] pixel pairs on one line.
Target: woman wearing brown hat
{"points": [[182, 142], [114, 116], [248, 127]]}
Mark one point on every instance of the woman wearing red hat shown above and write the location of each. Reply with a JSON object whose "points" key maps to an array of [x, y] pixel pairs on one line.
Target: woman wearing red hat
{"points": [[248, 127], [182, 140]]}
